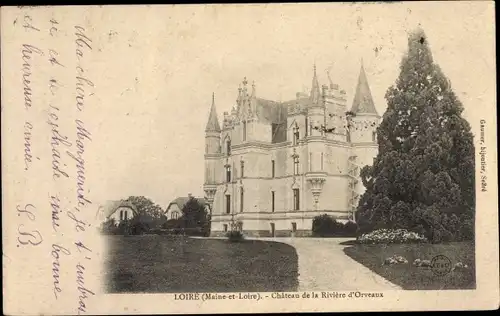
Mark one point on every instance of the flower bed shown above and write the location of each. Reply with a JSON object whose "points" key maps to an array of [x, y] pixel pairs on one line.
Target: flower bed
{"points": [[391, 236]]}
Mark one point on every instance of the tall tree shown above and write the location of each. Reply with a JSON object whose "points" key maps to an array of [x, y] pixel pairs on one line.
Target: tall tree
{"points": [[145, 205], [149, 213], [195, 217], [423, 176]]}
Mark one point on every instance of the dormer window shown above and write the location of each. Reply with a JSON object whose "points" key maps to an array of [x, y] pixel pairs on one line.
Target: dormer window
{"points": [[228, 147], [296, 135]]}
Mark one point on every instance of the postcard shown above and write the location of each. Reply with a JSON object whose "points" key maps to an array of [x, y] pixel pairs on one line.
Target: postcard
{"points": [[249, 158]]}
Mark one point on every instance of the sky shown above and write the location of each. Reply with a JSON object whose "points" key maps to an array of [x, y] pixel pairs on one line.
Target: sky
{"points": [[156, 68]]}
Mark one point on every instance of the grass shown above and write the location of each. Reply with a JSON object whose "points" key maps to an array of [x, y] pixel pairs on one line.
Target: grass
{"points": [[166, 264], [410, 277]]}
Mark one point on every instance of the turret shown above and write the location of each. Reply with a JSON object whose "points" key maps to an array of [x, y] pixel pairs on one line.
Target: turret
{"points": [[212, 131], [365, 119], [316, 108]]}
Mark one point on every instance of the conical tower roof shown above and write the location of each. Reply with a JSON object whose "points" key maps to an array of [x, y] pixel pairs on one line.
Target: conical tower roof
{"points": [[363, 101], [213, 121], [315, 91]]}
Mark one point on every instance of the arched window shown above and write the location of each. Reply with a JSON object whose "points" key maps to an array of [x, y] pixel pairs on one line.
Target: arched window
{"points": [[228, 204], [296, 200], [121, 215], [228, 173], [175, 215], [272, 201]]}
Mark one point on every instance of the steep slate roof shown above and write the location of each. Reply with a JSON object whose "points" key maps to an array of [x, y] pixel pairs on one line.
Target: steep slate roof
{"points": [[112, 206], [213, 121], [275, 114], [363, 101], [182, 200], [279, 133], [303, 102], [270, 112]]}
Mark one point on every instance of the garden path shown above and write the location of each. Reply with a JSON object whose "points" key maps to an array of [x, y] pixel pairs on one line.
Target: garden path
{"points": [[323, 266]]}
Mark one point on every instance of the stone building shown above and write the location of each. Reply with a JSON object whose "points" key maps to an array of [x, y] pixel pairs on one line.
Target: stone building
{"points": [[273, 166], [119, 211]]}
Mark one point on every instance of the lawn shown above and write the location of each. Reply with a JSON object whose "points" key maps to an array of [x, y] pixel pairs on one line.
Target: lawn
{"points": [[163, 264], [410, 277]]}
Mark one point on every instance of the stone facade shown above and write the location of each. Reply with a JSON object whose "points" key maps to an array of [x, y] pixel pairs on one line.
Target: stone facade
{"points": [[274, 166]]}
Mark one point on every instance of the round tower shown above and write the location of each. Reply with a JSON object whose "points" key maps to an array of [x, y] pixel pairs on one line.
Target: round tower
{"points": [[212, 131], [315, 109], [212, 154]]}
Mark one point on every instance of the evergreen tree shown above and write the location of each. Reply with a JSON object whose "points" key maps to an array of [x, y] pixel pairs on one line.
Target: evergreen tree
{"points": [[423, 176], [195, 218]]}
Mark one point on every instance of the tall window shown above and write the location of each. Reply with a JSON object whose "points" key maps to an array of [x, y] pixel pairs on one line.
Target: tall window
{"points": [[272, 201], [348, 135], [310, 161], [242, 196], [272, 168], [244, 130], [296, 165], [307, 126], [228, 147], [228, 204], [125, 215], [322, 161], [121, 215], [225, 227], [242, 169], [296, 135], [296, 199], [374, 136], [228, 173]]}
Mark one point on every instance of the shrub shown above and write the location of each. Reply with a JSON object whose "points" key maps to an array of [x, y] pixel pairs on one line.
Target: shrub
{"points": [[391, 236], [172, 224], [235, 236], [109, 227], [350, 229], [325, 226], [137, 227]]}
